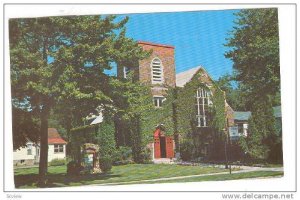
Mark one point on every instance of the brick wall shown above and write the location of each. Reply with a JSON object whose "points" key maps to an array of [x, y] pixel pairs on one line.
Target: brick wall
{"points": [[166, 54], [229, 115]]}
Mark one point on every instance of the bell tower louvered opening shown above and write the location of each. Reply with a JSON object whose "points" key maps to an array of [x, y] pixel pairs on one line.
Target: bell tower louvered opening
{"points": [[157, 71]]}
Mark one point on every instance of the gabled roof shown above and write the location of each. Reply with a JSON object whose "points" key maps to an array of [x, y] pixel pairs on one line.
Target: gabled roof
{"points": [[244, 116], [184, 77], [56, 141], [54, 137], [97, 120], [53, 133]]}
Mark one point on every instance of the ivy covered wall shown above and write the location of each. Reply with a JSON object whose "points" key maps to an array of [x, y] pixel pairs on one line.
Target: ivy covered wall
{"points": [[134, 124], [201, 141]]}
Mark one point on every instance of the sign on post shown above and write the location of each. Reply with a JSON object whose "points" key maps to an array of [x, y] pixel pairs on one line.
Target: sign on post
{"points": [[233, 132]]}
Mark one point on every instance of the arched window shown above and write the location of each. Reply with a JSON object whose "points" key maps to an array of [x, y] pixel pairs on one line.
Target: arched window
{"points": [[202, 103], [157, 71]]}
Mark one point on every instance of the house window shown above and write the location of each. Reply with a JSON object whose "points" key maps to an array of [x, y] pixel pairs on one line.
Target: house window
{"points": [[245, 126], [29, 149], [126, 72], [157, 71], [158, 101], [58, 148], [202, 103], [240, 128]]}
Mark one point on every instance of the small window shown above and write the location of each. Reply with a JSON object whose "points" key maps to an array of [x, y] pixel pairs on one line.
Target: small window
{"points": [[240, 129], [29, 149], [157, 71], [126, 72], [158, 101], [58, 148], [245, 126]]}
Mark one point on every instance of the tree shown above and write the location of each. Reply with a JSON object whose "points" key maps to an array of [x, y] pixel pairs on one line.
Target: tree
{"points": [[61, 61], [254, 51], [132, 102], [254, 44], [262, 137], [234, 92], [31, 41], [24, 126]]}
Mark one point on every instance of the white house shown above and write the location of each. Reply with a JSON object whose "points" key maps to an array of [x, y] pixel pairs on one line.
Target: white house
{"points": [[56, 145], [30, 154], [26, 155]]}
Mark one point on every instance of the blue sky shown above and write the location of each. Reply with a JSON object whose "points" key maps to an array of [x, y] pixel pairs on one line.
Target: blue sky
{"points": [[198, 37]]}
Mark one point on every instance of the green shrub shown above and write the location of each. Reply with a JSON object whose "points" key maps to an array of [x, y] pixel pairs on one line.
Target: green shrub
{"points": [[57, 162], [105, 164], [146, 157], [74, 168], [186, 150], [106, 139], [122, 156]]}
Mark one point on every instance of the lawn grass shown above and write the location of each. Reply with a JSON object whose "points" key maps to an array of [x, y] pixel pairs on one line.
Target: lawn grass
{"points": [[220, 177], [28, 177]]}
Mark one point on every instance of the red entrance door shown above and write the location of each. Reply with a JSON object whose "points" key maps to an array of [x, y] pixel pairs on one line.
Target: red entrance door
{"points": [[165, 142], [156, 147], [157, 144], [169, 147]]}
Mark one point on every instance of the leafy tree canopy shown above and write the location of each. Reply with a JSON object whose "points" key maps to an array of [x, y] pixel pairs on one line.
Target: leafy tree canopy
{"points": [[254, 44], [61, 61], [235, 96], [254, 51]]}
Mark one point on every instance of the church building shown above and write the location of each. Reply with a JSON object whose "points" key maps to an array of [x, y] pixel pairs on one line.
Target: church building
{"points": [[159, 71]]}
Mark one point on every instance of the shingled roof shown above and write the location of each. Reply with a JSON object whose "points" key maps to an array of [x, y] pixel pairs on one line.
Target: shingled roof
{"points": [[54, 137]]}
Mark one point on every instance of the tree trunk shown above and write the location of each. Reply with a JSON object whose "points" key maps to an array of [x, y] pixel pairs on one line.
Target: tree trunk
{"points": [[120, 71], [136, 139], [43, 165]]}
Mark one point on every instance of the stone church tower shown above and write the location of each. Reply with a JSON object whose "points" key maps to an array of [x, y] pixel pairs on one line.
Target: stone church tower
{"points": [[158, 70]]}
